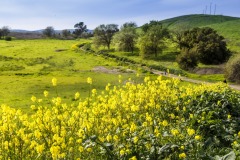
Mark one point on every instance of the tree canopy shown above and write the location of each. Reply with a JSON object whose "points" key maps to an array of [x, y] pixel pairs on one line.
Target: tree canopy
{"points": [[49, 31], [80, 28], [66, 33], [152, 42], [126, 38], [210, 47], [4, 31], [147, 26], [103, 34], [129, 25]]}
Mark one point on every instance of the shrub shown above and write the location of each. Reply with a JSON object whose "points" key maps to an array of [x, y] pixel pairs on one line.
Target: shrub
{"points": [[87, 47], [232, 69], [187, 59], [7, 38], [210, 46]]}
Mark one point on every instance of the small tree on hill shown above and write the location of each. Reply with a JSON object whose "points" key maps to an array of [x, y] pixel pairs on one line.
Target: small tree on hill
{"points": [[129, 25], [146, 26], [103, 34], [66, 33], [49, 31], [126, 38], [4, 31], [152, 42], [80, 29]]}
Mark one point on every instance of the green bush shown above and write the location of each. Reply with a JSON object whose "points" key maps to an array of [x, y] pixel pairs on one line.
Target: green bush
{"points": [[187, 59], [216, 116], [232, 69], [210, 46], [8, 38]]}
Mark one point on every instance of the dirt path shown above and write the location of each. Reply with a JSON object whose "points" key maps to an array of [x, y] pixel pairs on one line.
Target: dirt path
{"points": [[237, 87]]}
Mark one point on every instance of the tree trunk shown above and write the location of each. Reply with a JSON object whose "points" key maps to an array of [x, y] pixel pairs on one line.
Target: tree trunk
{"points": [[155, 51]]}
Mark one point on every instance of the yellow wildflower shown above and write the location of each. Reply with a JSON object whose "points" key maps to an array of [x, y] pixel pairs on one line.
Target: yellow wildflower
{"points": [[133, 158], [182, 147], [77, 95], [182, 155], [33, 98], [174, 132], [54, 81], [229, 116], [45, 93], [89, 149], [197, 137], [164, 123], [190, 131], [89, 80], [81, 149], [40, 148], [122, 152], [135, 140]]}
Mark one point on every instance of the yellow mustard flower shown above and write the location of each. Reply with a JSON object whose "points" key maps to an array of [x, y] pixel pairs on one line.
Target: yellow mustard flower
{"points": [[182, 155], [89, 80], [54, 81], [197, 137], [190, 131]]}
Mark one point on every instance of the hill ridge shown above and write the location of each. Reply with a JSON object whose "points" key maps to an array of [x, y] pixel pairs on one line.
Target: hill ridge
{"points": [[196, 20]]}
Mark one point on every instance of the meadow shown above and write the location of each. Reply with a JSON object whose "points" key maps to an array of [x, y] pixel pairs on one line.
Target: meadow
{"points": [[27, 67]]}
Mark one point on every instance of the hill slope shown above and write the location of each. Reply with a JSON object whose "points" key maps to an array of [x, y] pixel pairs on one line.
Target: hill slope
{"points": [[196, 20], [225, 25]]}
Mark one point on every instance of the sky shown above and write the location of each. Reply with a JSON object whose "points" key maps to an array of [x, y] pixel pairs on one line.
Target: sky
{"points": [[64, 14]]}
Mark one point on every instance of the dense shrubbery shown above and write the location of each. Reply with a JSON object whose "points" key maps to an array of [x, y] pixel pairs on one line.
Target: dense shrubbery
{"points": [[208, 45], [158, 119], [187, 59], [203, 45], [8, 38], [232, 69]]}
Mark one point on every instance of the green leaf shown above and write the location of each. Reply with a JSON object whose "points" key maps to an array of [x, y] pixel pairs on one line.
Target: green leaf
{"points": [[229, 156]]}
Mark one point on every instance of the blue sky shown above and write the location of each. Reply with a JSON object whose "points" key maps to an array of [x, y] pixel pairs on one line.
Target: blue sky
{"points": [[63, 14]]}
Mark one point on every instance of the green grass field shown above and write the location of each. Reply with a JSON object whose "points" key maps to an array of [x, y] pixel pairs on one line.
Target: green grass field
{"points": [[28, 66]]}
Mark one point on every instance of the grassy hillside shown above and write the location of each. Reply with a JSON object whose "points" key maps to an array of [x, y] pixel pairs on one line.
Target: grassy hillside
{"points": [[225, 25], [196, 20], [230, 30]]}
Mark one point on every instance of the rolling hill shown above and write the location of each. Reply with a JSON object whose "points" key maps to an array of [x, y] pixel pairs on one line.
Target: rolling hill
{"points": [[226, 26]]}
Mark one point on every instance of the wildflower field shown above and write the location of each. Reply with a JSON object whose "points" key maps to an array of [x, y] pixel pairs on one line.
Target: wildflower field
{"points": [[155, 119], [78, 117]]}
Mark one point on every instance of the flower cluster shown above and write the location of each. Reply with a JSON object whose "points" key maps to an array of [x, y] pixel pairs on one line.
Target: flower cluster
{"points": [[151, 120]]}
